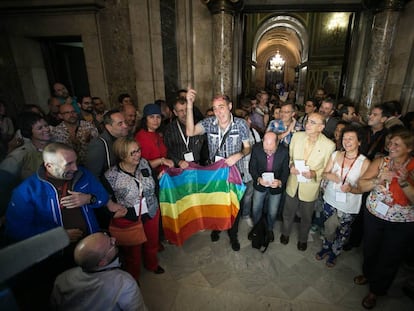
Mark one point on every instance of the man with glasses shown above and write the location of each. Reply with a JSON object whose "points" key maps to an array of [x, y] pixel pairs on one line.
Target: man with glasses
{"points": [[309, 153], [74, 132], [97, 283], [286, 125]]}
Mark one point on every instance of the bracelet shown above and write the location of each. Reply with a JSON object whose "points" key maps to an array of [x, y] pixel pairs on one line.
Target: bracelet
{"points": [[375, 182], [162, 161]]}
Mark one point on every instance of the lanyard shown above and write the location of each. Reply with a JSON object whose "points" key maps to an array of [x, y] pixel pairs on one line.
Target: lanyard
{"points": [[186, 141], [350, 167], [223, 136]]}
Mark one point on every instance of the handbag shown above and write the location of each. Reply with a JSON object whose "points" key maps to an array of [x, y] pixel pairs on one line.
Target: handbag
{"points": [[131, 235]]}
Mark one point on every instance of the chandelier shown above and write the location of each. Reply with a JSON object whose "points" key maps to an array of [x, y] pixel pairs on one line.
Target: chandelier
{"points": [[277, 62]]}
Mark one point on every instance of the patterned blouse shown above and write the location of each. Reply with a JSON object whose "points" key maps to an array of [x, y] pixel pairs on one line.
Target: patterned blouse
{"points": [[126, 189], [400, 209]]}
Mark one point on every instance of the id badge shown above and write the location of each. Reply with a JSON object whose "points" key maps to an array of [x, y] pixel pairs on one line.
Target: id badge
{"points": [[382, 208], [217, 158], [144, 207], [189, 157], [340, 197]]}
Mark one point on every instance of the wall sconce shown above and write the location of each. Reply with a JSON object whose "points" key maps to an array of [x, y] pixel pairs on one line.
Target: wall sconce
{"points": [[277, 62]]}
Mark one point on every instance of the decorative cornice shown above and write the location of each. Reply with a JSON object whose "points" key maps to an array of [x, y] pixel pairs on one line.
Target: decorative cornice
{"points": [[226, 6], [383, 5]]}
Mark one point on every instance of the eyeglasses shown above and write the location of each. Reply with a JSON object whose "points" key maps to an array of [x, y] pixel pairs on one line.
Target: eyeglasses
{"points": [[134, 152], [112, 242], [311, 122]]}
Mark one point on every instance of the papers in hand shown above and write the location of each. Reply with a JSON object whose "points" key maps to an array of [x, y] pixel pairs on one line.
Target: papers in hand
{"points": [[268, 177], [301, 167]]}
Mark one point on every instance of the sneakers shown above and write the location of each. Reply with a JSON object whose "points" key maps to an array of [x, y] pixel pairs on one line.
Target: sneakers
{"points": [[324, 252], [248, 221], [215, 235]]}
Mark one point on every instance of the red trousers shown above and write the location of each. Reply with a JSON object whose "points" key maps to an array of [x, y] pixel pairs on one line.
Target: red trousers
{"points": [[149, 249]]}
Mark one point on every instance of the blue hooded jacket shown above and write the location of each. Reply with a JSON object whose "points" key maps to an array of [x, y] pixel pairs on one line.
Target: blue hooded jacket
{"points": [[34, 206]]}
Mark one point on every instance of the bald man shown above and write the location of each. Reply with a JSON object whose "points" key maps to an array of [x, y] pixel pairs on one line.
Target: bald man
{"points": [[269, 167], [309, 153], [98, 283]]}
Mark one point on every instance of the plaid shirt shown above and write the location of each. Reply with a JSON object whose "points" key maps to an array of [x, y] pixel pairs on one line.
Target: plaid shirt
{"points": [[84, 134], [233, 143], [277, 126]]}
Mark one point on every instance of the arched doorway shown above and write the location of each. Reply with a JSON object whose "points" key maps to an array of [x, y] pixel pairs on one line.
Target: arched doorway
{"points": [[287, 35]]}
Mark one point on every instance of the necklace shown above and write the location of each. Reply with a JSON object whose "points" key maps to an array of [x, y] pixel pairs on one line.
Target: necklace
{"points": [[350, 158]]}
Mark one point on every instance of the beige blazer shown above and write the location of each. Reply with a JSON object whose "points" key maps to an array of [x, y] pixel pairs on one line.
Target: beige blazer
{"points": [[317, 161]]}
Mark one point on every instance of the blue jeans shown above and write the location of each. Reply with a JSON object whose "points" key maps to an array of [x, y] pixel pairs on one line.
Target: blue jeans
{"points": [[272, 207]]}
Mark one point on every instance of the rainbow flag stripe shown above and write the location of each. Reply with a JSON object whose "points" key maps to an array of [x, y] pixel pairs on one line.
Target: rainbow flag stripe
{"points": [[198, 198]]}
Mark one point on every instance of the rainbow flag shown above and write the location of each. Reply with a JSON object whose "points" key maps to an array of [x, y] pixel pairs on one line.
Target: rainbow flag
{"points": [[198, 198]]}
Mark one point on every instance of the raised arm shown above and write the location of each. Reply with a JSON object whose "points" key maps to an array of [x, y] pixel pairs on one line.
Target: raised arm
{"points": [[191, 129]]}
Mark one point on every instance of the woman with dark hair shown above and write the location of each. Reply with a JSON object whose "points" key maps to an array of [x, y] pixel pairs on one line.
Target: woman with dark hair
{"points": [[389, 215], [342, 198], [152, 143], [134, 188], [311, 106], [36, 135]]}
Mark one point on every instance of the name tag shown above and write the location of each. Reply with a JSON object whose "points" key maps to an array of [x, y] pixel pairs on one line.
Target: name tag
{"points": [[218, 158], [382, 208], [340, 196], [144, 207], [189, 157]]}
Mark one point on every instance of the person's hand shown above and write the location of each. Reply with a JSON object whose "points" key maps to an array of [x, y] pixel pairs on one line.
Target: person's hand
{"points": [[120, 213], [309, 174], [386, 176], [332, 177], [294, 170], [75, 199], [346, 187], [231, 160], [191, 95], [276, 183], [167, 162], [183, 164], [74, 234]]}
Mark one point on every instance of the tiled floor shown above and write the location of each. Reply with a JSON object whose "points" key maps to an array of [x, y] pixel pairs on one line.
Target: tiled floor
{"points": [[203, 275]]}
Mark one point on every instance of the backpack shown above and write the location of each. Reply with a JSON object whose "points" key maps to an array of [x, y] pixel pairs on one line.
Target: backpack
{"points": [[258, 235]]}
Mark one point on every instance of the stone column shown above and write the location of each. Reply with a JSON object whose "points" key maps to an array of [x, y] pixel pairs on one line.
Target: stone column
{"points": [[223, 26], [382, 39]]}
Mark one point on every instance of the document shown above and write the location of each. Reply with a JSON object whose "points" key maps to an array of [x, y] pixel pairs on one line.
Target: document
{"points": [[301, 167]]}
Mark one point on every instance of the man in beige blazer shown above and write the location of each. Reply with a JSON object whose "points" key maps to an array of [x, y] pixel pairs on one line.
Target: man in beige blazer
{"points": [[309, 153]]}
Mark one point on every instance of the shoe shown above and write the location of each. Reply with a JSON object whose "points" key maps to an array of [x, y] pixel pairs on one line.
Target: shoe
{"points": [[360, 280], [159, 270], [250, 235], [215, 235], [284, 239], [235, 245], [324, 252], [331, 261], [302, 246], [369, 301], [249, 221], [270, 235]]}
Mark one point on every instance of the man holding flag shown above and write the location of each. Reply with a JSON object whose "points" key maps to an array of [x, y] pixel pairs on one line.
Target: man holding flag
{"points": [[228, 139]]}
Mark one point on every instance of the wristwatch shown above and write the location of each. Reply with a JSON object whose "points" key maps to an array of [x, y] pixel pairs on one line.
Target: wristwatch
{"points": [[93, 199]]}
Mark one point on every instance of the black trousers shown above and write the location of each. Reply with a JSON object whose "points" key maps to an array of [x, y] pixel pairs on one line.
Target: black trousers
{"points": [[385, 245]]}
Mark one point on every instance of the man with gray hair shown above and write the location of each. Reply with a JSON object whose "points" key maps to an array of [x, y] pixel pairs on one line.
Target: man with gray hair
{"points": [[97, 283]]}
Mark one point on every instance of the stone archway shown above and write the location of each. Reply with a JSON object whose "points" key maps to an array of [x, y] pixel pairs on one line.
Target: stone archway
{"points": [[286, 34]]}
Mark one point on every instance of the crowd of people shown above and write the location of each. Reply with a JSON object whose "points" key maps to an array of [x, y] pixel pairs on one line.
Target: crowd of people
{"points": [[83, 167]]}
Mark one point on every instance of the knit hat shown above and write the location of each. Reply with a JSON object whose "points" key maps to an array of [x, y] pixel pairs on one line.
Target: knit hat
{"points": [[150, 109]]}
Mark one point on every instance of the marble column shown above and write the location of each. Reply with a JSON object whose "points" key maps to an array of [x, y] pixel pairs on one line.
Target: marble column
{"points": [[223, 26], [382, 39]]}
